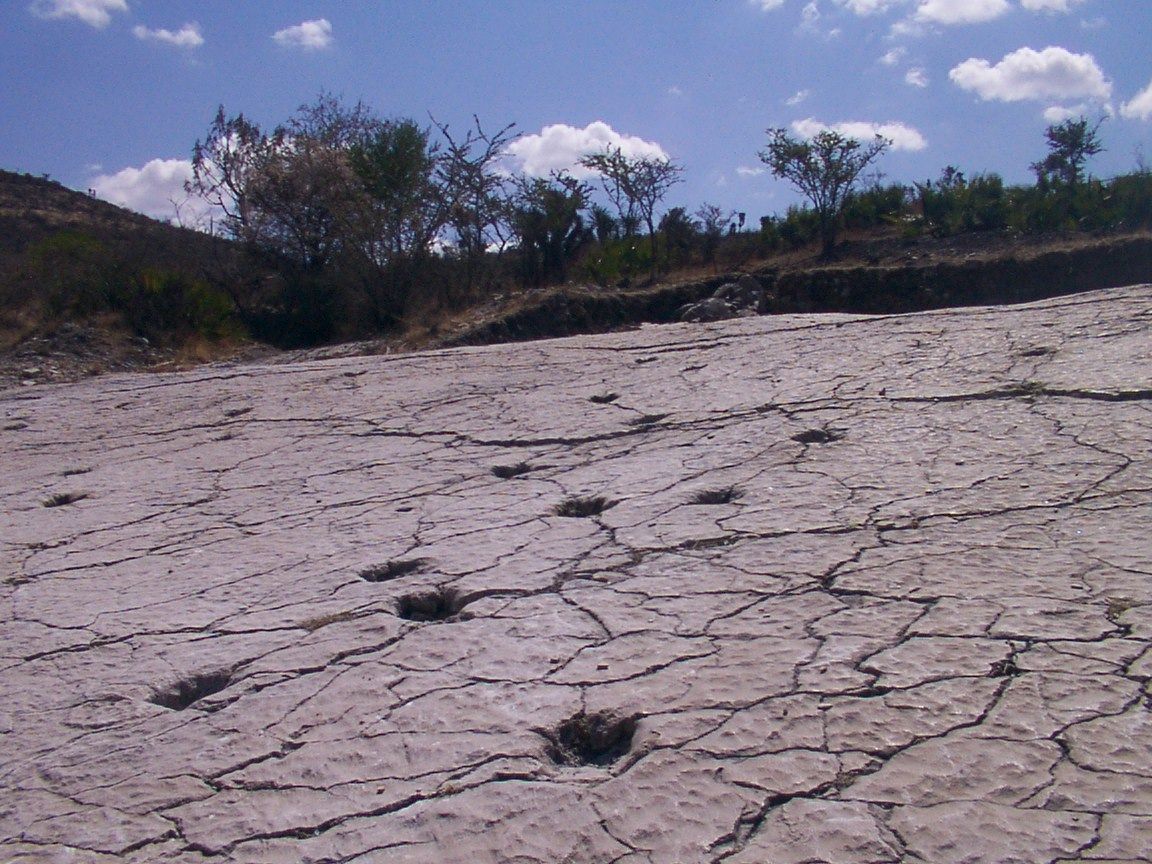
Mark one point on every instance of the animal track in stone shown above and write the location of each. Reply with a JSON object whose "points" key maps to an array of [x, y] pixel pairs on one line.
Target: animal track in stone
{"points": [[576, 507], [818, 436], [188, 691], [437, 604], [507, 472], [62, 499], [392, 570], [723, 495], [597, 739], [1005, 668], [646, 419]]}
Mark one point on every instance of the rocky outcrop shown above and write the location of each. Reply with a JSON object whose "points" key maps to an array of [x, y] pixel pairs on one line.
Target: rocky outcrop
{"points": [[786, 589], [737, 299]]}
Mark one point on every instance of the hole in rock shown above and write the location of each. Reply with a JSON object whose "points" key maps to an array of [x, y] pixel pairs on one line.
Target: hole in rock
{"points": [[599, 738], [392, 570], [61, 499], [576, 507], [604, 398], [818, 436], [188, 691], [723, 495], [437, 604], [1040, 351], [507, 472]]}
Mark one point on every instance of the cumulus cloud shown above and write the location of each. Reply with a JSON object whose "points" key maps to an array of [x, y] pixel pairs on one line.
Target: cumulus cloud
{"points": [[156, 190], [559, 147], [797, 97], [309, 35], [960, 11], [1140, 106], [187, 36], [903, 137], [96, 13], [916, 77], [1053, 73], [1050, 5]]}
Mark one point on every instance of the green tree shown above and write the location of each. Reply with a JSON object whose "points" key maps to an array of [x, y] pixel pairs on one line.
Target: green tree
{"points": [[1070, 145], [549, 225], [635, 184], [824, 169], [680, 234], [400, 214]]}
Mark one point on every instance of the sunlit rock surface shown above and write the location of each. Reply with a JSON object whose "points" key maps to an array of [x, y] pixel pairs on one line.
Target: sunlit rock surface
{"points": [[787, 589]]}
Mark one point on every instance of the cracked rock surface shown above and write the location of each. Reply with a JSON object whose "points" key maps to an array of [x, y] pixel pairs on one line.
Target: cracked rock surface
{"points": [[792, 589]]}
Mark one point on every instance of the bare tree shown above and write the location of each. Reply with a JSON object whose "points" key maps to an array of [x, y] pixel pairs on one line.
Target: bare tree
{"points": [[223, 165], [635, 184], [480, 211], [824, 168]]}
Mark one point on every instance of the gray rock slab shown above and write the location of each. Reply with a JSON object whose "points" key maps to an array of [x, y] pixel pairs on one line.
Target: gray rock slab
{"points": [[791, 589]]}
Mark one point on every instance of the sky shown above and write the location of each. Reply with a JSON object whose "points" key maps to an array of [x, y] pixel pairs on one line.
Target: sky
{"points": [[111, 95]]}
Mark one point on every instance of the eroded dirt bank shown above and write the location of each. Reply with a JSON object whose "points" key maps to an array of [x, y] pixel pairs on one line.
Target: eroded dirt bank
{"points": [[791, 589], [902, 277]]}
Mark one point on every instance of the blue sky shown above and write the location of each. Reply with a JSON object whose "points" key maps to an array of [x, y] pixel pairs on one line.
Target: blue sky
{"points": [[112, 94]]}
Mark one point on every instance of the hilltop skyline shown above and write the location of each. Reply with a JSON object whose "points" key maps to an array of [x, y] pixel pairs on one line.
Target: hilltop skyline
{"points": [[112, 94]]}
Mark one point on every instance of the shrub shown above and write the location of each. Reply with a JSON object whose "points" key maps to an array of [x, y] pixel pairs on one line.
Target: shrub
{"points": [[953, 204], [875, 205]]}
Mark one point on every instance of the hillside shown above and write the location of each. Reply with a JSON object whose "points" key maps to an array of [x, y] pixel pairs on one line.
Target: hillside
{"points": [[70, 272], [87, 287]]}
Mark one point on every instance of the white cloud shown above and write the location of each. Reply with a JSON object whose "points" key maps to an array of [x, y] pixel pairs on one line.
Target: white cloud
{"points": [[746, 171], [1053, 73], [797, 97], [960, 11], [675, 91], [1060, 113], [767, 5], [96, 13], [187, 36], [916, 77], [902, 137], [1050, 5], [868, 7], [559, 147], [1140, 106], [309, 35], [891, 58], [154, 190]]}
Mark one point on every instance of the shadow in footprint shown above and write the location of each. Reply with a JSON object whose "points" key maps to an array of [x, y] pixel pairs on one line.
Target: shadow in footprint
{"points": [[186, 692], [597, 739]]}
